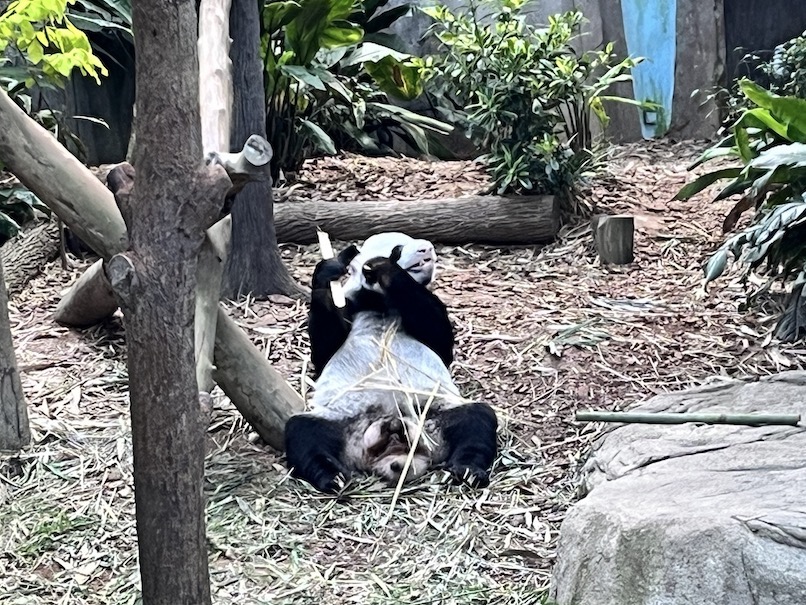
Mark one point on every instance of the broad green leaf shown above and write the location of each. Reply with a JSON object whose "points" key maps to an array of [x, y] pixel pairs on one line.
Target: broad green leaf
{"points": [[762, 118], [320, 138], [386, 18], [410, 116], [793, 155], [341, 33], [706, 180], [789, 110], [370, 52], [716, 265], [278, 14], [303, 75], [395, 78]]}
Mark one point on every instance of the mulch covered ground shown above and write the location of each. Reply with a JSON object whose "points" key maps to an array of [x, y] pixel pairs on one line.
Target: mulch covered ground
{"points": [[541, 333]]}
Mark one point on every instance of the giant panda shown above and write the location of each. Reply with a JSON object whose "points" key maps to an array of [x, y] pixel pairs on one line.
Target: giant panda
{"points": [[380, 362]]}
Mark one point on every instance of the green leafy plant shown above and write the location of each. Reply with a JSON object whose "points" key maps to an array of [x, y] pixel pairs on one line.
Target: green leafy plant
{"points": [[329, 74], [786, 71], [17, 207], [521, 92], [769, 142]]}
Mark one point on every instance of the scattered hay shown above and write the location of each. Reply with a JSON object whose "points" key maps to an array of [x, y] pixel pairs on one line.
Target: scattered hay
{"points": [[542, 332]]}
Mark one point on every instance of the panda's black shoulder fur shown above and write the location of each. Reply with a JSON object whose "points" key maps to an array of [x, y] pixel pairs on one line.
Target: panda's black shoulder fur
{"points": [[423, 316]]}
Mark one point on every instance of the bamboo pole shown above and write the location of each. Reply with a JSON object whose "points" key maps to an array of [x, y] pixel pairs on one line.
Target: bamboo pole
{"points": [[682, 418]]}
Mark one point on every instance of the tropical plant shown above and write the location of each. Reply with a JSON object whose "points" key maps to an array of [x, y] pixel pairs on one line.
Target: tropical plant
{"points": [[786, 70], [17, 207], [523, 95], [769, 142], [329, 74]]}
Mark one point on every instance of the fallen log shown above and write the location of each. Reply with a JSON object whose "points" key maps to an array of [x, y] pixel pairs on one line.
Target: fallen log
{"points": [[261, 395], [482, 219], [25, 255]]}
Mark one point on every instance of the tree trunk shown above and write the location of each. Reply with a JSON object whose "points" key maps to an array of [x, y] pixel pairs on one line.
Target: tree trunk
{"points": [[174, 201], [254, 264], [481, 219], [26, 255], [14, 431]]}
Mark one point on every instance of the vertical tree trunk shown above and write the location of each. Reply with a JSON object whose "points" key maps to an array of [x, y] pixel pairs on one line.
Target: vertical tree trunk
{"points": [[174, 199], [14, 431], [254, 264]]}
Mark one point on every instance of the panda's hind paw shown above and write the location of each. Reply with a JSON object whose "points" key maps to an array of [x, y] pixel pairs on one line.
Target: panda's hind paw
{"points": [[469, 475]]}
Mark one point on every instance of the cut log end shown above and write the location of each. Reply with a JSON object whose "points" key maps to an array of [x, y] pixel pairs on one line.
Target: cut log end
{"points": [[614, 236]]}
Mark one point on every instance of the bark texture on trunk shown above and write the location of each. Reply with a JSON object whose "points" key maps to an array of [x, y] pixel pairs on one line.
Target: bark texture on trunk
{"points": [[167, 210], [481, 219], [14, 430], [253, 264]]}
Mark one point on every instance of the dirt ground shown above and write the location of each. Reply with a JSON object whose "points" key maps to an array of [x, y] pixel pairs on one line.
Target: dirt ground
{"points": [[541, 332]]}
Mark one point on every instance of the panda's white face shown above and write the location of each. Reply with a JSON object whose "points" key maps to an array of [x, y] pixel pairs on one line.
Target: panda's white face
{"points": [[417, 256]]}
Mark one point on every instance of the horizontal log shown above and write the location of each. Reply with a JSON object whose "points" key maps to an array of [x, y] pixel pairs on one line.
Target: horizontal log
{"points": [[68, 188], [26, 255], [481, 219]]}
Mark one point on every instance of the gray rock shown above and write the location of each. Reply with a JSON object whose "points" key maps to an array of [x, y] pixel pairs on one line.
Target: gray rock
{"points": [[693, 514]]}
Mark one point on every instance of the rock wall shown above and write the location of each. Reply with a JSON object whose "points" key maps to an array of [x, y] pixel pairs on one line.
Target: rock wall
{"points": [[693, 514]]}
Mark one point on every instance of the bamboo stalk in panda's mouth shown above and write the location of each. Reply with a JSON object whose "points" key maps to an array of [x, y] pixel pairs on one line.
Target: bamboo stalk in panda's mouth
{"points": [[326, 249]]}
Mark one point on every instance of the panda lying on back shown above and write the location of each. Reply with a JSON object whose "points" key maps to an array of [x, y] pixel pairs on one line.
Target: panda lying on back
{"points": [[380, 363]]}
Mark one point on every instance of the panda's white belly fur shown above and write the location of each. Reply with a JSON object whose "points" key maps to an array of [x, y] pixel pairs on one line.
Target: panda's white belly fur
{"points": [[405, 374]]}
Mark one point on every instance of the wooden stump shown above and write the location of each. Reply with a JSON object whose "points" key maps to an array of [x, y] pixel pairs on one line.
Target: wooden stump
{"points": [[481, 219], [614, 238]]}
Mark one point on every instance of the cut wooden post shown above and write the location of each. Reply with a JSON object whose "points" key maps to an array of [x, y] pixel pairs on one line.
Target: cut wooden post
{"points": [[259, 392], [212, 257], [14, 430], [482, 219], [614, 238]]}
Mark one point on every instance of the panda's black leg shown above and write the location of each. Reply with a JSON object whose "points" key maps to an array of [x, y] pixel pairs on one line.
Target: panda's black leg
{"points": [[469, 434], [313, 448]]}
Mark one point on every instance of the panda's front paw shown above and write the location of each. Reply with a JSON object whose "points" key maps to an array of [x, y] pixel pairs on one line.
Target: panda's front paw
{"points": [[469, 475], [378, 273]]}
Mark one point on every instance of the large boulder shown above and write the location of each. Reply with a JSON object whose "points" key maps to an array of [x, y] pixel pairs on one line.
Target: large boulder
{"points": [[693, 514]]}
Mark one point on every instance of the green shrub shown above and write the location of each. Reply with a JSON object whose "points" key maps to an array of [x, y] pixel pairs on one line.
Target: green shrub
{"points": [[769, 142], [17, 207], [787, 68], [329, 71], [522, 93]]}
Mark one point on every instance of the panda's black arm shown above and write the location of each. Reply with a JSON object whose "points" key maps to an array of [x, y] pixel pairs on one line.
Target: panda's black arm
{"points": [[328, 326], [314, 448], [423, 316]]}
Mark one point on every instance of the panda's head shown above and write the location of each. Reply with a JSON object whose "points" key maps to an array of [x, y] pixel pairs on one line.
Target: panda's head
{"points": [[417, 256]]}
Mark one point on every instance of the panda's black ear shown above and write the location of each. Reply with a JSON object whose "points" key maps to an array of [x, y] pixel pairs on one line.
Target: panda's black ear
{"points": [[397, 251], [347, 255]]}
